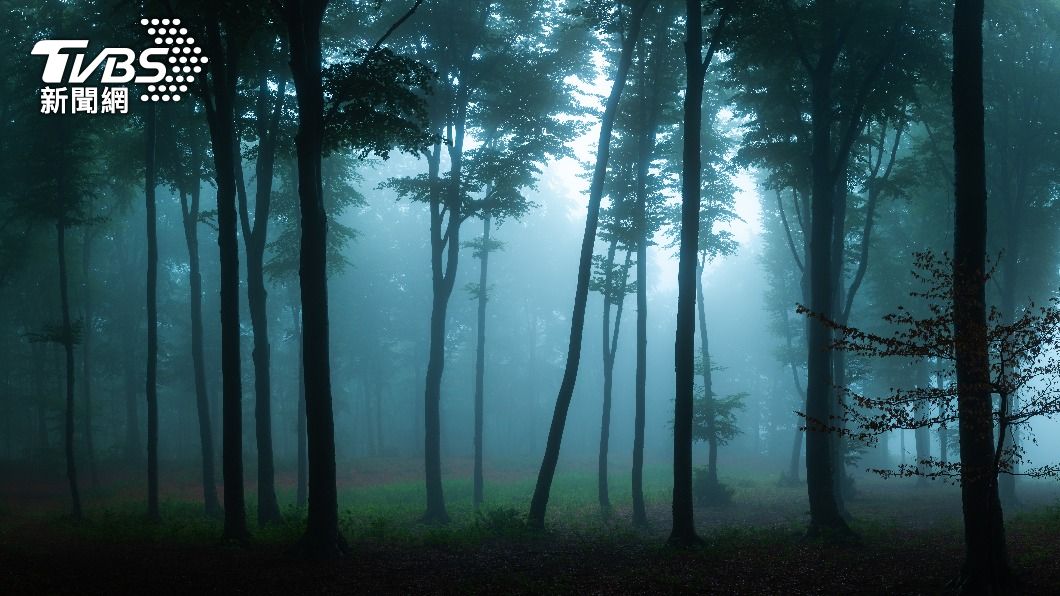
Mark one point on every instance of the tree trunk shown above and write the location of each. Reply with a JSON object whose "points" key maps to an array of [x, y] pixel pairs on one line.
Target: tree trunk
{"points": [[542, 488], [152, 319], [322, 538], [922, 434], [86, 353], [683, 532], [650, 107], [133, 447], [255, 236], [610, 349], [223, 69], [796, 455], [708, 385], [986, 559], [825, 513], [640, 515], [68, 348], [480, 358], [202, 403], [303, 474]]}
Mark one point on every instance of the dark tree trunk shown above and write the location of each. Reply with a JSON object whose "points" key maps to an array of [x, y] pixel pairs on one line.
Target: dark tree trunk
{"points": [[796, 455], [683, 532], [133, 448], [480, 358], [255, 235], [190, 214], [68, 348], [322, 538], [152, 319], [445, 253], [708, 385], [86, 355], [825, 515], [640, 515], [303, 463], [986, 564], [610, 349], [650, 107], [221, 115], [922, 434], [542, 488]]}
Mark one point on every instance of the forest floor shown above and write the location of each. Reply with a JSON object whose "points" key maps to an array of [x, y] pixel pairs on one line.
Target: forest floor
{"points": [[909, 540]]}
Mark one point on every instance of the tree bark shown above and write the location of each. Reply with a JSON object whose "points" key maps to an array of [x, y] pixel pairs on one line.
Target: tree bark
{"points": [[986, 559], [152, 319], [610, 348], [322, 538], [190, 214], [221, 115], [68, 349], [542, 488], [255, 235], [708, 385], [303, 473], [86, 354], [480, 358]]}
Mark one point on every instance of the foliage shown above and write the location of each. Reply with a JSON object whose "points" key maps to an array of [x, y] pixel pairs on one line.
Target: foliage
{"points": [[1023, 363]]}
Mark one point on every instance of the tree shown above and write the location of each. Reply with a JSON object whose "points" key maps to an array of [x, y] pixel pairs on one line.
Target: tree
{"points": [[683, 532], [986, 562], [186, 170], [539, 501], [370, 105], [303, 18], [219, 96], [843, 64], [268, 112], [477, 49]]}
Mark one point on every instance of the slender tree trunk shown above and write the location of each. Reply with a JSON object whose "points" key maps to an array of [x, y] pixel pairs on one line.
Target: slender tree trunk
{"points": [[796, 455], [86, 354], [480, 357], [68, 348], [825, 514], [610, 349], [650, 107], [708, 385], [922, 434], [202, 401], [443, 275], [223, 69], [303, 473], [132, 414], [986, 559], [152, 320], [255, 235], [640, 515], [322, 538], [539, 502], [683, 532]]}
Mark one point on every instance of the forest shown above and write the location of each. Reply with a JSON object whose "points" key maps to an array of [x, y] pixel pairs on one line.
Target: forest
{"points": [[530, 296]]}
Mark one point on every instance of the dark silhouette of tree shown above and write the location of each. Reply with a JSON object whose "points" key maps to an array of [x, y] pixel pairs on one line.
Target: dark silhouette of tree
{"points": [[629, 37], [683, 531], [187, 168], [303, 18], [268, 112], [986, 562], [219, 97], [150, 182]]}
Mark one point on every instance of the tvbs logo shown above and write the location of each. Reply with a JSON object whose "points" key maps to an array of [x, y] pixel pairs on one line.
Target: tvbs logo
{"points": [[165, 69]]}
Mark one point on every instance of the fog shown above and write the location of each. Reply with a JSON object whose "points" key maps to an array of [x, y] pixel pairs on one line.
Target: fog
{"points": [[540, 286]]}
